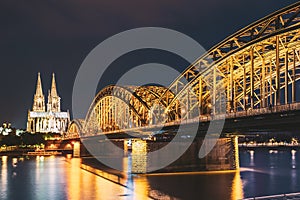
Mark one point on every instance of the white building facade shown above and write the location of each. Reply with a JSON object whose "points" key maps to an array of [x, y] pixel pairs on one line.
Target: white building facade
{"points": [[52, 120]]}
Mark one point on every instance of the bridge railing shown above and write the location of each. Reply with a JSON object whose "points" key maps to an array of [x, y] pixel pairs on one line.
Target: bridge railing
{"points": [[259, 111], [207, 118], [244, 113], [295, 106]]}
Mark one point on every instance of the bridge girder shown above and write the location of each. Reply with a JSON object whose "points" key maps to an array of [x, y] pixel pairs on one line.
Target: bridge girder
{"points": [[249, 68], [121, 107], [75, 128]]}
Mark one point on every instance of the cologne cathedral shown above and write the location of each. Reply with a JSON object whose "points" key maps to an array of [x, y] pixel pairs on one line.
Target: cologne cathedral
{"points": [[52, 120]]}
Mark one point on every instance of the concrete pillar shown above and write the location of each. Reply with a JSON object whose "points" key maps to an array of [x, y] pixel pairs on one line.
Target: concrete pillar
{"points": [[224, 155], [139, 156], [76, 150]]}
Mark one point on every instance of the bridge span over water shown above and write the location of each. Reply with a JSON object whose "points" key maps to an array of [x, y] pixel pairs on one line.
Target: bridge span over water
{"points": [[253, 72], [249, 80]]}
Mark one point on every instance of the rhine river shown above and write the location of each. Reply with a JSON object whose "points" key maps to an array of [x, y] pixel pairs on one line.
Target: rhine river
{"points": [[263, 172]]}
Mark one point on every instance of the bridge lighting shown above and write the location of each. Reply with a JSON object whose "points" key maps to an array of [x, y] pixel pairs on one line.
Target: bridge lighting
{"points": [[251, 73], [183, 110]]}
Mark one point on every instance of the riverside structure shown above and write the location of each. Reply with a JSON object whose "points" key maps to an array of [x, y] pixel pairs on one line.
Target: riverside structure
{"points": [[52, 120]]}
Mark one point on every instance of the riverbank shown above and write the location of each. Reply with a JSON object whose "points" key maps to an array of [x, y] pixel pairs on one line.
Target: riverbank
{"points": [[270, 147], [30, 152]]}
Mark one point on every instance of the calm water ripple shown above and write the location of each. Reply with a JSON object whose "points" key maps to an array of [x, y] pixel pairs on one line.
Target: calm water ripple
{"points": [[263, 172]]}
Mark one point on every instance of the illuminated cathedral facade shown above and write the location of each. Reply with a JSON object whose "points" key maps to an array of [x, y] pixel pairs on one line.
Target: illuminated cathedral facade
{"points": [[47, 118]]}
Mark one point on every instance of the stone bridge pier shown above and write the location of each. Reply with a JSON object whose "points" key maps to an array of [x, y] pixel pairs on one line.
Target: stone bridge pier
{"points": [[224, 155]]}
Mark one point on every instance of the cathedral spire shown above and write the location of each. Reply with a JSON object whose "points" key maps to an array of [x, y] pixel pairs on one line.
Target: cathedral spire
{"points": [[51, 121], [39, 90], [53, 98], [39, 100], [53, 87]]}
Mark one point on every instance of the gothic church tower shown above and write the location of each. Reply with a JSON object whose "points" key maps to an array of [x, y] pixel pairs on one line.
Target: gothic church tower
{"points": [[51, 121], [39, 100], [53, 104]]}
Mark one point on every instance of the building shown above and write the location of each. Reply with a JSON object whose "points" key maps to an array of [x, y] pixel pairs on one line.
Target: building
{"points": [[52, 120]]}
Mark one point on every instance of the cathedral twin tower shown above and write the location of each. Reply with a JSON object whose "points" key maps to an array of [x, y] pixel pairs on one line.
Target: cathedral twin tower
{"points": [[52, 120]]}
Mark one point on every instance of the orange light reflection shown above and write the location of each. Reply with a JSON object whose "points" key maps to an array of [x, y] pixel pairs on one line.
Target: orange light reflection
{"points": [[4, 177], [237, 187], [141, 188]]}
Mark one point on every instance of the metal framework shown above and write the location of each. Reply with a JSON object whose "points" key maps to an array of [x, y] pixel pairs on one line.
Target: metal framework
{"points": [[116, 108], [250, 67], [75, 129], [254, 69]]}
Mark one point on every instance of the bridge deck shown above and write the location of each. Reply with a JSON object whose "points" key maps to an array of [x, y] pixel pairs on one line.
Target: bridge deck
{"points": [[261, 118]]}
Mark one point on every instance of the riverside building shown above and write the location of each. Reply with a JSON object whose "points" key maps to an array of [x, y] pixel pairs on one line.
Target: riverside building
{"points": [[52, 119]]}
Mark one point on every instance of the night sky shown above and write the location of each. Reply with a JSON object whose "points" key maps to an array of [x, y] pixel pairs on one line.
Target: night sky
{"points": [[56, 36]]}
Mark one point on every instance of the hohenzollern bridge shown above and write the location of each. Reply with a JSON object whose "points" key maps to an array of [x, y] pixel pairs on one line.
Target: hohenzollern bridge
{"points": [[250, 78]]}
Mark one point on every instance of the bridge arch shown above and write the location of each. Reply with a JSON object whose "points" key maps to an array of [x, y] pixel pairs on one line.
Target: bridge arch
{"points": [[257, 67], [75, 129], [253, 67], [120, 107]]}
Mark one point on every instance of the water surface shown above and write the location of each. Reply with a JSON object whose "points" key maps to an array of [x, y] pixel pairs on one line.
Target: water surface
{"points": [[263, 172]]}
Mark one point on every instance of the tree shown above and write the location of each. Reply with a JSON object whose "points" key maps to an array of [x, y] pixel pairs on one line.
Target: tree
{"points": [[32, 139]]}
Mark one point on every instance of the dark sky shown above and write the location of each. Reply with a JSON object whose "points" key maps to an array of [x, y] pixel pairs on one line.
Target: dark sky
{"points": [[56, 36]]}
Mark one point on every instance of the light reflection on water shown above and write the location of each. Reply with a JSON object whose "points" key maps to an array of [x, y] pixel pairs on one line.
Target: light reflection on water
{"points": [[52, 178], [3, 177], [84, 185], [237, 187], [275, 171], [262, 173], [62, 178]]}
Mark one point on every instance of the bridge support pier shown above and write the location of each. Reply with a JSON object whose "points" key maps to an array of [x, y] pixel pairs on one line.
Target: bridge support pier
{"points": [[76, 150], [224, 156]]}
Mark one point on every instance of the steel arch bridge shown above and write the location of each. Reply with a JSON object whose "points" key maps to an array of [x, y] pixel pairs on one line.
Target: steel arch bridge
{"points": [[122, 107], [74, 129], [254, 70], [251, 67]]}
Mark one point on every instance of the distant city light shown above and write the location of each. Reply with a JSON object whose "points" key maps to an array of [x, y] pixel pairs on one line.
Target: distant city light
{"points": [[19, 132]]}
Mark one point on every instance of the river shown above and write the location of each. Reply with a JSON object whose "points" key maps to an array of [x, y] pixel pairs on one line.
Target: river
{"points": [[262, 172]]}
